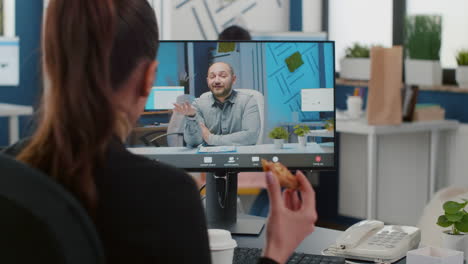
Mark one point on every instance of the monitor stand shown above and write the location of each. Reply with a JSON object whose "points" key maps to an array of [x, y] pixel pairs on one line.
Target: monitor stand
{"points": [[221, 205]]}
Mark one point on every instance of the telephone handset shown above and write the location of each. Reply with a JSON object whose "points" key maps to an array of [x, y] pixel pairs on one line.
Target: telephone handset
{"points": [[371, 240], [353, 235]]}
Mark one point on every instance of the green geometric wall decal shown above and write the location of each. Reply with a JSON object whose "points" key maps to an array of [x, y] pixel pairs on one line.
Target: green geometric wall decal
{"points": [[226, 47], [294, 61]]}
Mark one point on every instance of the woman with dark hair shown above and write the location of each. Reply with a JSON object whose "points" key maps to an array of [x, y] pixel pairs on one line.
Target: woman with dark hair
{"points": [[99, 66]]}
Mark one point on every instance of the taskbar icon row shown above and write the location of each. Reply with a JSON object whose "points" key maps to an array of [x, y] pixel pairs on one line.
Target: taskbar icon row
{"points": [[318, 160]]}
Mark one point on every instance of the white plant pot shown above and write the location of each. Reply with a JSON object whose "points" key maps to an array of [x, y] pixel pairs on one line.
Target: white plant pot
{"points": [[455, 242], [278, 143], [423, 72], [302, 141], [355, 68], [461, 75]]}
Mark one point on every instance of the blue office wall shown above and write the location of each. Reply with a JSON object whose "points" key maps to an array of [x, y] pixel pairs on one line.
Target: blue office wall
{"points": [[454, 103], [201, 52], [168, 69], [295, 15], [28, 25], [168, 58]]}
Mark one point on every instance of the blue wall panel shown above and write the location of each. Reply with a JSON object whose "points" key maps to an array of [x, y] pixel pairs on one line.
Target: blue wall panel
{"points": [[284, 86], [28, 26]]}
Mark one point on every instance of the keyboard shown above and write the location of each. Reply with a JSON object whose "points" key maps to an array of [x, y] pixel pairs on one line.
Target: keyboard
{"points": [[251, 256]]}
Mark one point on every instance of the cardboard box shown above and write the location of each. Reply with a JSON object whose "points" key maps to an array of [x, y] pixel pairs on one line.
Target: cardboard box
{"points": [[433, 255], [429, 113]]}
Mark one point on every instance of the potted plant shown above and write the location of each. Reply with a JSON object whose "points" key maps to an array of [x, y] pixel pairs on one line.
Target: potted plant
{"points": [[461, 73], [278, 134], [301, 131], [423, 41], [455, 217], [330, 124], [356, 63]]}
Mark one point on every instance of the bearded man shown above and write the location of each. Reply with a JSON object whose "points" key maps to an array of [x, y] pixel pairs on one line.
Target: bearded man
{"points": [[224, 117]]}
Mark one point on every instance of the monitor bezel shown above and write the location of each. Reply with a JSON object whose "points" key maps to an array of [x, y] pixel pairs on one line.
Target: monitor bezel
{"points": [[258, 169]]}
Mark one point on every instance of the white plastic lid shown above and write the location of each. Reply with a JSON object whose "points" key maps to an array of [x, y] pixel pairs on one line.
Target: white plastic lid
{"points": [[221, 239], [354, 98]]}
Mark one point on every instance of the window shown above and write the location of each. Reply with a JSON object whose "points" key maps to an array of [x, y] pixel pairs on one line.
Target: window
{"points": [[365, 21], [454, 25]]}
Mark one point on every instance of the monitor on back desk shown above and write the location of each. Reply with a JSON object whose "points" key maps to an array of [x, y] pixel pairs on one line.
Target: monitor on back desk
{"points": [[278, 84], [162, 97]]}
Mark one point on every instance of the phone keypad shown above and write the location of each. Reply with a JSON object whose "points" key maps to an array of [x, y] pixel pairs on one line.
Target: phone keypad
{"points": [[386, 239]]}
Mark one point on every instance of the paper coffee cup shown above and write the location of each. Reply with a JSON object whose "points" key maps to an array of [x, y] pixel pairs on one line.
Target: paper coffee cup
{"points": [[354, 104], [221, 245]]}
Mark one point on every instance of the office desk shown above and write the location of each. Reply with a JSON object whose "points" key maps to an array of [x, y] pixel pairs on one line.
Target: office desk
{"points": [[290, 125], [320, 239], [313, 133], [13, 112], [374, 133]]}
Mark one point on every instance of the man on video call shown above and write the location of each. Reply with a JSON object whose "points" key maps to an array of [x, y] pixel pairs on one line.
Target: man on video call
{"points": [[225, 117]]}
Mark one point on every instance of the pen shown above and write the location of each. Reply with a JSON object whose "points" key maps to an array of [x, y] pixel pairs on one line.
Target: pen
{"points": [[356, 91]]}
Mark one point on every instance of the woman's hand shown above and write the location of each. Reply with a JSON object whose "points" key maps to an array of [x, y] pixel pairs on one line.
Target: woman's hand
{"points": [[291, 219]]}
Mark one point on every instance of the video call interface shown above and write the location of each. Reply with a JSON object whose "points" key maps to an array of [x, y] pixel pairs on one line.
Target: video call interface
{"points": [[230, 99]]}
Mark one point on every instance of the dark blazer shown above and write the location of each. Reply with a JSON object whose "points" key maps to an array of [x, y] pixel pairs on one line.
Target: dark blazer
{"points": [[148, 212]]}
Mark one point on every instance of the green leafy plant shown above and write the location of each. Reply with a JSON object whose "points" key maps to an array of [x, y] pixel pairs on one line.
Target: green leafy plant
{"points": [[301, 130], [455, 216], [423, 37], [278, 133], [330, 124], [462, 58], [184, 79], [357, 51]]}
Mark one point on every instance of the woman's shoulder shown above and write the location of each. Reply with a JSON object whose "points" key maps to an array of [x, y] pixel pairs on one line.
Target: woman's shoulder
{"points": [[15, 149], [122, 162]]}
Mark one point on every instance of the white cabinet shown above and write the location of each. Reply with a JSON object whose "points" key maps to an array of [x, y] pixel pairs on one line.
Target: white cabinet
{"points": [[388, 172]]}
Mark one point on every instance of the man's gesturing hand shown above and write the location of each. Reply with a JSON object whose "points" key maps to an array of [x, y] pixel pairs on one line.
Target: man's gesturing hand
{"points": [[185, 109]]}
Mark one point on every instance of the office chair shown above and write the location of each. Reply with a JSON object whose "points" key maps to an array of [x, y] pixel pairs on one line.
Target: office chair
{"points": [[40, 222], [258, 96], [175, 129]]}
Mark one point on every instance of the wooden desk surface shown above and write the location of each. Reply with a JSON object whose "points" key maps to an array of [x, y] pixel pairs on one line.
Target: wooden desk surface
{"points": [[157, 112], [145, 129]]}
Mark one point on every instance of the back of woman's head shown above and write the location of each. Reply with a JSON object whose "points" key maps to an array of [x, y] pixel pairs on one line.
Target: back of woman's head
{"points": [[90, 48]]}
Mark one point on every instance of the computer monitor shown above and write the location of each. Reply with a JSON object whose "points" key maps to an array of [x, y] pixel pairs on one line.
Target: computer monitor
{"points": [[295, 81], [278, 85], [162, 97]]}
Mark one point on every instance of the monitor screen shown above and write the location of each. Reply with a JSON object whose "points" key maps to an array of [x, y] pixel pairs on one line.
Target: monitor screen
{"points": [[162, 97], [246, 94]]}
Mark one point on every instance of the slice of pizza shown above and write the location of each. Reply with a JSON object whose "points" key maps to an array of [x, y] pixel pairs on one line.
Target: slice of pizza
{"points": [[284, 176]]}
